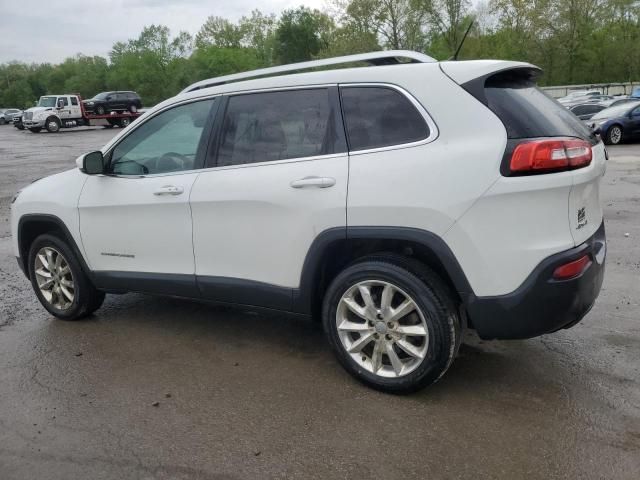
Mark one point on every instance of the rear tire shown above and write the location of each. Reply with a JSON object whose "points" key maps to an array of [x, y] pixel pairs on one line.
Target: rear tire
{"points": [[395, 354], [57, 278], [124, 122], [614, 135]]}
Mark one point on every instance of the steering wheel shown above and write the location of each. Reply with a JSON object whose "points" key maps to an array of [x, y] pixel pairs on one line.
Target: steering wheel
{"points": [[172, 162]]}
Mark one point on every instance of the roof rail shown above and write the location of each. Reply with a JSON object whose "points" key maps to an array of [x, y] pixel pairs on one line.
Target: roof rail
{"points": [[389, 57]]}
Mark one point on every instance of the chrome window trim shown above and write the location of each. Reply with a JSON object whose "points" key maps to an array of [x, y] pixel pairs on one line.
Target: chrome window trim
{"points": [[433, 128]]}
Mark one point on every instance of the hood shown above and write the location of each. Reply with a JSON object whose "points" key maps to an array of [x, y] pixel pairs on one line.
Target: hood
{"points": [[38, 109]]}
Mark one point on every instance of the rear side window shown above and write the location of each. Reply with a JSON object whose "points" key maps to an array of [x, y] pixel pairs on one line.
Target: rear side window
{"points": [[380, 117], [526, 111], [74, 101], [263, 127]]}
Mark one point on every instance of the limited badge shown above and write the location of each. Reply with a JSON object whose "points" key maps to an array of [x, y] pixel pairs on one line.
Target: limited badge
{"points": [[582, 218]]}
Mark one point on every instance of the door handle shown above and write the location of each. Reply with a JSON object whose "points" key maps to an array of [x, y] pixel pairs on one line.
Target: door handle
{"points": [[320, 182], [169, 190]]}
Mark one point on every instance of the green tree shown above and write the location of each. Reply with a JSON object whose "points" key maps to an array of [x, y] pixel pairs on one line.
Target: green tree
{"points": [[301, 34]]}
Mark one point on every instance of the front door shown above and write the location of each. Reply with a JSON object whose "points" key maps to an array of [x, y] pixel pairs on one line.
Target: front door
{"points": [[135, 221], [279, 180]]}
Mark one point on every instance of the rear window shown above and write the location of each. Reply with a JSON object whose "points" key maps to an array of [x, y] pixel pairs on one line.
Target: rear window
{"points": [[526, 111], [380, 117]]}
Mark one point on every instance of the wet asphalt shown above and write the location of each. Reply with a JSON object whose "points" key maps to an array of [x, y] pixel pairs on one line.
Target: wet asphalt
{"points": [[162, 388]]}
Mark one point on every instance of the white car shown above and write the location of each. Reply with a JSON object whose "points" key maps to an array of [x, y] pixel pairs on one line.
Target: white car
{"points": [[398, 203]]}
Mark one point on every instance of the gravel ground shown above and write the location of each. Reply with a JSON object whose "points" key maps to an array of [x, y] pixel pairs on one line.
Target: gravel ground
{"points": [[244, 395]]}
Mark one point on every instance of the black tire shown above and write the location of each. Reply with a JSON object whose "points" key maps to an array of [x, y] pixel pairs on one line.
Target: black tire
{"points": [[53, 125], [433, 298], [20, 127], [614, 135], [86, 298], [35, 129], [124, 122], [2, 121], [132, 108], [99, 110]]}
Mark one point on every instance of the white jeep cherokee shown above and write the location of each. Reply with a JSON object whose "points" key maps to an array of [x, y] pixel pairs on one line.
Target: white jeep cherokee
{"points": [[400, 203]]}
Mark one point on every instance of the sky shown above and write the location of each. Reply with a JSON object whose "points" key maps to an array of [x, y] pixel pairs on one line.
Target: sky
{"points": [[52, 30]]}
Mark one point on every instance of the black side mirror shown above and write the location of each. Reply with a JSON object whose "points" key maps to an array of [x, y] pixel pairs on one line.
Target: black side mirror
{"points": [[93, 163]]}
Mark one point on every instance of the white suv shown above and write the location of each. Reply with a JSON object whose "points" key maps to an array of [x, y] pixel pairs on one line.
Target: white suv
{"points": [[399, 203]]}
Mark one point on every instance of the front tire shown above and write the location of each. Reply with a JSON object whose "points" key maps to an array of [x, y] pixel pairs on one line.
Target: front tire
{"points": [[392, 323], [52, 125], [58, 280], [99, 110], [614, 135]]}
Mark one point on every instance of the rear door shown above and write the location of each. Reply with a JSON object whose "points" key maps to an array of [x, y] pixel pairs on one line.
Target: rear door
{"points": [[278, 180]]}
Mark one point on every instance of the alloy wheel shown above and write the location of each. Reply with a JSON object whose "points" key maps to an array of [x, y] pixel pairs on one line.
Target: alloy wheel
{"points": [[615, 135], [54, 278], [382, 328]]}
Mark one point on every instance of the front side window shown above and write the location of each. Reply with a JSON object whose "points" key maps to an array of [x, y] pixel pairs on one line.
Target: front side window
{"points": [[171, 141], [63, 101], [380, 117], [263, 127]]}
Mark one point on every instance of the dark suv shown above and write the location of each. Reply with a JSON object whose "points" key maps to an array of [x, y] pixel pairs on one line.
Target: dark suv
{"points": [[106, 102]]}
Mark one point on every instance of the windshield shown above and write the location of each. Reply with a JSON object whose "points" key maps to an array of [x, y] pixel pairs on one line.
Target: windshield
{"points": [[101, 96], [47, 102], [617, 111]]}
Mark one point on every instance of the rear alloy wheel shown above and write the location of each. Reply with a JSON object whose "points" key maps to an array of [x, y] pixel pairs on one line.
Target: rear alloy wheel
{"points": [[59, 281], [614, 135], [52, 125], [392, 323]]}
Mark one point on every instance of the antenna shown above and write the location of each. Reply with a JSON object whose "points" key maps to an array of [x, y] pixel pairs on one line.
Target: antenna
{"points": [[455, 55]]}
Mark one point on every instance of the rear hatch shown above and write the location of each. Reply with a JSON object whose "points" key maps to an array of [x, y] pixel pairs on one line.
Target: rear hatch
{"points": [[537, 126]]}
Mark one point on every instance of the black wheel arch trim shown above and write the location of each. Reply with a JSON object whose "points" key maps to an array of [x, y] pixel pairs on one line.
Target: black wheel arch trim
{"points": [[31, 218], [303, 298]]}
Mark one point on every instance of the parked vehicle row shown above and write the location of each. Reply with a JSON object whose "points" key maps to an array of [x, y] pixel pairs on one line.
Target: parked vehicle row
{"points": [[53, 112], [7, 115]]}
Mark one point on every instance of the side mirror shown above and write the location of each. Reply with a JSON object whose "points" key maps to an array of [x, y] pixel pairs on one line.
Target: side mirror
{"points": [[93, 163]]}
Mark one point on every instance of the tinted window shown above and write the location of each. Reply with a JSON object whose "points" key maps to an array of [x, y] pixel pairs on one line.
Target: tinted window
{"points": [[526, 111], [74, 101], [63, 100], [264, 127], [380, 117], [169, 142], [580, 110]]}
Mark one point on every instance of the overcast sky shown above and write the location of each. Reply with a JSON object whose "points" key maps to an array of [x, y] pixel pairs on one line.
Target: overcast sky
{"points": [[52, 30]]}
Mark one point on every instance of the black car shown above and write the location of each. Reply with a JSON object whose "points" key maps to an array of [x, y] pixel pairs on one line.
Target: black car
{"points": [[106, 102]]}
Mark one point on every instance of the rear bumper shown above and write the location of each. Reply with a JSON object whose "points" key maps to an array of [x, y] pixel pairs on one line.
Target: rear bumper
{"points": [[541, 304]]}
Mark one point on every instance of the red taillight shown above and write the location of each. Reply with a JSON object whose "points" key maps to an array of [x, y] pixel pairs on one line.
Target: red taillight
{"points": [[542, 156], [572, 269]]}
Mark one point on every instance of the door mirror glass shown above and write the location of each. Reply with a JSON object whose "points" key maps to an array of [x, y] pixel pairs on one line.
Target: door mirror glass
{"points": [[93, 163]]}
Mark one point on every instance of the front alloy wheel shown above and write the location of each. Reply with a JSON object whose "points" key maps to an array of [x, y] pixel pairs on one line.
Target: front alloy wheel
{"points": [[382, 328], [54, 278], [614, 135]]}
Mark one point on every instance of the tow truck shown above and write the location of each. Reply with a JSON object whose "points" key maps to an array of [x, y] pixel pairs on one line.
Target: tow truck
{"points": [[54, 112]]}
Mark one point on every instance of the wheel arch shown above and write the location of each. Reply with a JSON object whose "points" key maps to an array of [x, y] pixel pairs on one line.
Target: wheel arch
{"points": [[336, 248], [31, 226]]}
